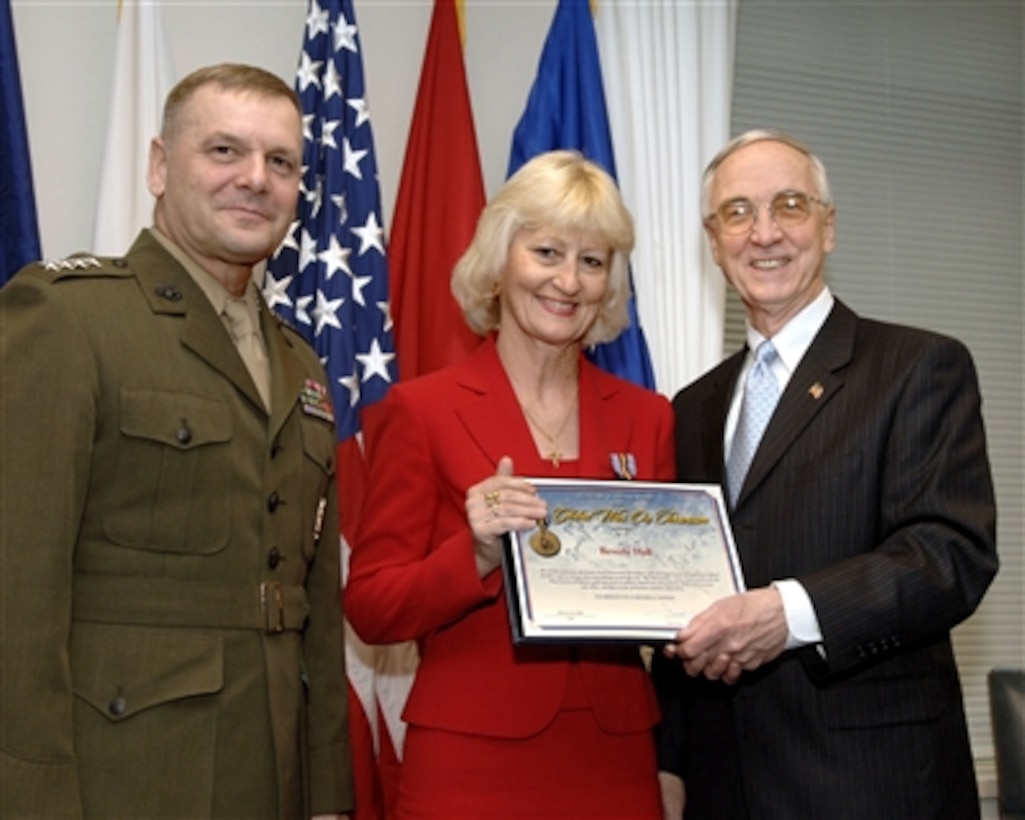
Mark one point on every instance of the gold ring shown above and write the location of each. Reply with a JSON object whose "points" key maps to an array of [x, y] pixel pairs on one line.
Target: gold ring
{"points": [[491, 499]]}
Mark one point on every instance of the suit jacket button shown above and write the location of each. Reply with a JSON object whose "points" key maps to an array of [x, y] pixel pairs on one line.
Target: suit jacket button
{"points": [[117, 706], [273, 558]]}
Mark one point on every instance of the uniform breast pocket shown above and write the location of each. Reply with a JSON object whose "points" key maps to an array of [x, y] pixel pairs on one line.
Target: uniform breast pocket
{"points": [[172, 466]]}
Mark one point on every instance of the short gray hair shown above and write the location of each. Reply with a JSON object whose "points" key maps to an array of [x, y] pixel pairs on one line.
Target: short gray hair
{"points": [[237, 77], [818, 170]]}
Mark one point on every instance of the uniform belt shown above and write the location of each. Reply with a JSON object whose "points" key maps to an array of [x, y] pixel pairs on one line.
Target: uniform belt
{"points": [[269, 607]]}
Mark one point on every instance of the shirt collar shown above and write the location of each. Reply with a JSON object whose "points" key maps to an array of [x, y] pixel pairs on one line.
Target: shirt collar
{"points": [[795, 337]]}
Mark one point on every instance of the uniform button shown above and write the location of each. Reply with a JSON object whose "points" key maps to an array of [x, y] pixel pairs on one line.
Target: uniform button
{"points": [[168, 292], [183, 434], [273, 558], [117, 706], [272, 501]]}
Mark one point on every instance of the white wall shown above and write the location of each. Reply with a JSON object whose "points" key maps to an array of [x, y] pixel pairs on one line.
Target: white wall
{"points": [[66, 56]]}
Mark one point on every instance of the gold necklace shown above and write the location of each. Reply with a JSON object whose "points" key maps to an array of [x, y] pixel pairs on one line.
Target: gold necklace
{"points": [[554, 454]]}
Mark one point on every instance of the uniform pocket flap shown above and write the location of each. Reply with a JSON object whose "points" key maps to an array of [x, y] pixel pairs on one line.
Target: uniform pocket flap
{"points": [[182, 420], [121, 671]]}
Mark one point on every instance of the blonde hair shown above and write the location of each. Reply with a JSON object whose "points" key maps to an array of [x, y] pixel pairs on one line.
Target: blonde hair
{"points": [[563, 191]]}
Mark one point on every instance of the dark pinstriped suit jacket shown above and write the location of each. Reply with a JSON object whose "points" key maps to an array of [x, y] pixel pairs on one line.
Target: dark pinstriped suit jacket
{"points": [[872, 488]]}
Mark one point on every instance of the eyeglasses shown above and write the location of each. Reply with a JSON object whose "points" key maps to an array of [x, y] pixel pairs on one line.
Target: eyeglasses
{"points": [[788, 209]]}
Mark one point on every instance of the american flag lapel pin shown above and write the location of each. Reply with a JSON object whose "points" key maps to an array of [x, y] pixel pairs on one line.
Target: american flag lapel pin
{"points": [[816, 391]]}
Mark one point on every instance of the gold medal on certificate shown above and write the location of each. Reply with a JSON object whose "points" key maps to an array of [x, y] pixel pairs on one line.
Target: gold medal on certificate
{"points": [[544, 541]]}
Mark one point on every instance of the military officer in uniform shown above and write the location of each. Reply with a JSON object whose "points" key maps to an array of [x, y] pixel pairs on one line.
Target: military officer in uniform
{"points": [[170, 622]]}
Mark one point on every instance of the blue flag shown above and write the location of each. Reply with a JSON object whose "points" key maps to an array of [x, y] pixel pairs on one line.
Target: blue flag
{"points": [[566, 109], [329, 278], [19, 231]]}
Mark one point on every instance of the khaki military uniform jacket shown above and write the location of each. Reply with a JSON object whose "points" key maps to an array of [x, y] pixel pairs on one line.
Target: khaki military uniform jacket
{"points": [[170, 621]]}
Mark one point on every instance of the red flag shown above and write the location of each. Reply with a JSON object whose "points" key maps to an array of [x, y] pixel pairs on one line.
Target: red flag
{"points": [[441, 194]]}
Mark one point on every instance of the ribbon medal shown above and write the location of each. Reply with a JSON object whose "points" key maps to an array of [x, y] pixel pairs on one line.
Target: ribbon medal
{"points": [[624, 465], [315, 401]]}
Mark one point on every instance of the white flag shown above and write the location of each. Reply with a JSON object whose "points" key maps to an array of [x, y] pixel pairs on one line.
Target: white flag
{"points": [[142, 78], [669, 85]]}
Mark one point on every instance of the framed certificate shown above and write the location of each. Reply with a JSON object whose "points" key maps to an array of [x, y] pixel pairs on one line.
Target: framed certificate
{"points": [[619, 561]]}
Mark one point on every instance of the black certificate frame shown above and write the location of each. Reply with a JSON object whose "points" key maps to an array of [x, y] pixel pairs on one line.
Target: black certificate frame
{"points": [[618, 562]]}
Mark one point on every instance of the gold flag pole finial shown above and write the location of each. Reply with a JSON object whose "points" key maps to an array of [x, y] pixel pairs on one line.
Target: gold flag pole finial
{"points": [[461, 20]]}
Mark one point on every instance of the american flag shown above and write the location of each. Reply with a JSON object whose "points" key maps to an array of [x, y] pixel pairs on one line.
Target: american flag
{"points": [[329, 279]]}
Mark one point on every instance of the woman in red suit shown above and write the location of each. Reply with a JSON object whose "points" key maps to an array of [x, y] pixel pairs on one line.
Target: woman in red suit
{"points": [[497, 730]]}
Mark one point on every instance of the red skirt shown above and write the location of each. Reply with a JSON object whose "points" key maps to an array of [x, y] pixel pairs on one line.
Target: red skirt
{"points": [[572, 769]]}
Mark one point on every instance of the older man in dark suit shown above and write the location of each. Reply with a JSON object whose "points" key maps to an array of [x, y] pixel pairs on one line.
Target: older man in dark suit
{"points": [[170, 623], [854, 456]]}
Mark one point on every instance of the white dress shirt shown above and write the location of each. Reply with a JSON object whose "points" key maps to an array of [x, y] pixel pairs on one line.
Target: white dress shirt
{"points": [[791, 343]]}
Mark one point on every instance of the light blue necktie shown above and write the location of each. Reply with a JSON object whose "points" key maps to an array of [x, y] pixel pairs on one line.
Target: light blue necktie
{"points": [[761, 392]]}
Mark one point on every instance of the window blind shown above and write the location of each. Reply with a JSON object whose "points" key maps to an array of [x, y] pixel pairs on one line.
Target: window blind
{"points": [[916, 111]]}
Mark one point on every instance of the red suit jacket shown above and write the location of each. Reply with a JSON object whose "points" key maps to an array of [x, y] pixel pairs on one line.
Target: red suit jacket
{"points": [[413, 574]]}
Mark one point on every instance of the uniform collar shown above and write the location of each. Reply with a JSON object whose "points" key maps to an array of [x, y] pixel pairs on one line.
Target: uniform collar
{"points": [[208, 283]]}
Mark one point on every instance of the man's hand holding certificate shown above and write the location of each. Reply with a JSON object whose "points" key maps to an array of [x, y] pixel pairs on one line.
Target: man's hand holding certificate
{"points": [[619, 561]]}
